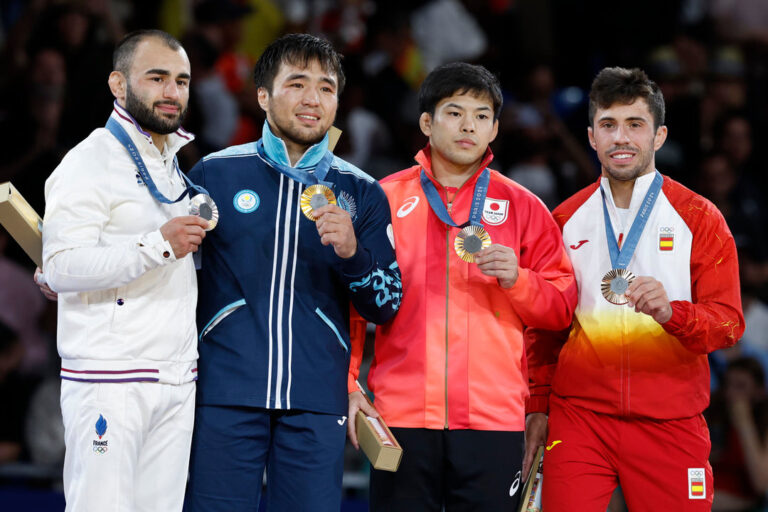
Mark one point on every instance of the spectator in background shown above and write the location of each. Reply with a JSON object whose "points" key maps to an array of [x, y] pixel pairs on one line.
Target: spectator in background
{"points": [[738, 422]]}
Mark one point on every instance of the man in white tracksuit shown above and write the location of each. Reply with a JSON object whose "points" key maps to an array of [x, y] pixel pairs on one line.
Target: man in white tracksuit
{"points": [[118, 253]]}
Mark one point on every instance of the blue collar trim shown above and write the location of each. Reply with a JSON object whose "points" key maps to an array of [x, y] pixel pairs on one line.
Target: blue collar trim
{"points": [[275, 150]]}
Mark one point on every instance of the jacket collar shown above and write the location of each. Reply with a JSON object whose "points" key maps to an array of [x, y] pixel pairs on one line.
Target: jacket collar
{"points": [[275, 150], [143, 139], [424, 159]]}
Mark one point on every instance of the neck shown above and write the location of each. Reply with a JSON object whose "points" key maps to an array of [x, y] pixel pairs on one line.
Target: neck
{"points": [[451, 174], [621, 192], [295, 151], [158, 140]]}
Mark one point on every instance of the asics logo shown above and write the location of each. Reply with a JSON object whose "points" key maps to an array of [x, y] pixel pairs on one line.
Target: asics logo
{"points": [[581, 242], [408, 206]]}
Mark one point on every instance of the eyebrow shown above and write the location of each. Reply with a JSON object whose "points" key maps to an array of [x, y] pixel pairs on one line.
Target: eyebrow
{"points": [[456, 105], [302, 76], [634, 118], [165, 72]]}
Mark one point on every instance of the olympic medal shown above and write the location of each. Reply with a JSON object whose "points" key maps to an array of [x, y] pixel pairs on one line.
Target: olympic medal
{"points": [[203, 206], [314, 197], [614, 285], [470, 241]]}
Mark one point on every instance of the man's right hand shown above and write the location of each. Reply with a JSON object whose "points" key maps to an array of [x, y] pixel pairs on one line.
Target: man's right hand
{"points": [[357, 402], [185, 234]]}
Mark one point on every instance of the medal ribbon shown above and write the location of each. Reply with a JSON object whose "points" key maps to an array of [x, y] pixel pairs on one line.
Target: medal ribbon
{"points": [[620, 257], [300, 175], [436, 203], [122, 136]]}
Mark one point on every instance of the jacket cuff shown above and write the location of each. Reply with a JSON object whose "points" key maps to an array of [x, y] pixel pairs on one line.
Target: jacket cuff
{"points": [[155, 243], [352, 383], [537, 403], [520, 290], [677, 322], [359, 264]]}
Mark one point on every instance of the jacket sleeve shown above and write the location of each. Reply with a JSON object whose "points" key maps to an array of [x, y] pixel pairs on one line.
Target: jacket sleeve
{"points": [[357, 328], [542, 349], [545, 293], [372, 274], [78, 197], [714, 318]]}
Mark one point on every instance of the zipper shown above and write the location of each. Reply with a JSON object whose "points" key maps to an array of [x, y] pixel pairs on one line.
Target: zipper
{"points": [[447, 291]]}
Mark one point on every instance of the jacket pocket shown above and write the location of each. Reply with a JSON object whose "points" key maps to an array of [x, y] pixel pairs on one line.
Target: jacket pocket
{"points": [[330, 324], [221, 315]]}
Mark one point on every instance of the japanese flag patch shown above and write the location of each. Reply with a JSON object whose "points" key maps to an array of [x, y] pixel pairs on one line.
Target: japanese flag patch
{"points": [[697, 484], [495, 211]]}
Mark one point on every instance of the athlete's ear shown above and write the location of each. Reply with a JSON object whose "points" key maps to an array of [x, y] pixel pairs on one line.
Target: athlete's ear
{"points": [[263, 96], [660, 137], [425, 123], [591, 137], [118, 85]]}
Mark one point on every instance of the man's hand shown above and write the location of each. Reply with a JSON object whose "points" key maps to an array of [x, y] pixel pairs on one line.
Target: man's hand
{"points": [[357, 402], [535, 436], [648, 296], [334, 225], [185, 234], [44, 288], [500, 262]]}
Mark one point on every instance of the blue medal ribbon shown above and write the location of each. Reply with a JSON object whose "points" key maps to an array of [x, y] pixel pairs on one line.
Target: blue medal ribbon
{"points": [[300, 175], [122, 136], [478, 200], [620, 257]]}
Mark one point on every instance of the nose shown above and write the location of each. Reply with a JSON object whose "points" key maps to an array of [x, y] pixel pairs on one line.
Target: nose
{"points": [[468, 124], [621, 135], [171, 90], [311, 97]]}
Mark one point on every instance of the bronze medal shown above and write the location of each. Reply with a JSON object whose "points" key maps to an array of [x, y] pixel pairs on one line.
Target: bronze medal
{"points": [[470, 241], [614, 285]]}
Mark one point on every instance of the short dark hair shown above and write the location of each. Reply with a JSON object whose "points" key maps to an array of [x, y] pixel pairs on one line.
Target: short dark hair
{"points": [[298, 50], [459, 78], [123, 55], [624, 86]]}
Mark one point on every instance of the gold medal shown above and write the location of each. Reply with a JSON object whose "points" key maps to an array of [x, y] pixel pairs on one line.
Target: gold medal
{"points": [[314, 197], [614, 285], [469, 241], [203, 206]]}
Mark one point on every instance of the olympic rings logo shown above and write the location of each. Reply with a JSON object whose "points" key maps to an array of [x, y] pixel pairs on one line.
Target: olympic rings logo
{"points": [[666, 230], [697, 473], [100, 449]]}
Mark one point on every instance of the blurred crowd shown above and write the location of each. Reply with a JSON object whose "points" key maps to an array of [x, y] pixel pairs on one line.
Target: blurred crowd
{"points": [[710, 58]]}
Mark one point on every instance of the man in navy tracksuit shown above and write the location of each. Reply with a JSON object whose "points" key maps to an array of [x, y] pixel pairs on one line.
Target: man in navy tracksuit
{"points": [[278, 275]]}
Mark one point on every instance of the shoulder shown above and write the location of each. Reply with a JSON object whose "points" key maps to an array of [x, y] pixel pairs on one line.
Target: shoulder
{"points": [[401, 176], [696, 210], [240, 151], [94, 152], [345, 168], [567, 208]]}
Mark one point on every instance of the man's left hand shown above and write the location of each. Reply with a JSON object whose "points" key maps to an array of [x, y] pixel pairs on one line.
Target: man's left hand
{"points": [[334, 225], [500, 262], [647, 295]]}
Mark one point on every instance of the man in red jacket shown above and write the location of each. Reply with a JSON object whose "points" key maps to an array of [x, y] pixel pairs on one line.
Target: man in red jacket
{"points": [[658, 287], [481, 258]]}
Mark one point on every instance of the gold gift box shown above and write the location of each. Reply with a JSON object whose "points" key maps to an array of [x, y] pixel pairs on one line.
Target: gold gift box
{"points": [[22, 222], [378, 443]]}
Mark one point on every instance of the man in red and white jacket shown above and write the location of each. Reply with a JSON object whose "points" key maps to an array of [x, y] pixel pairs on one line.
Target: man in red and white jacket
{"points": [[658, 283]]}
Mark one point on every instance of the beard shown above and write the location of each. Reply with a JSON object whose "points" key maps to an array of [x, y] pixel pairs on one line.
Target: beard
{"points": [[148, 119], [632, 173], [285, 130]]}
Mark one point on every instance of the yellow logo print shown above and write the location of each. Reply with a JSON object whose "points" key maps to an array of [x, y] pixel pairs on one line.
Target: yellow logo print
{"points": [[554, 443]]}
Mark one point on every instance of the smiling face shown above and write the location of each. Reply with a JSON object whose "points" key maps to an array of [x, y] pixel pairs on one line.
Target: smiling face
{"points": [[302, 105], [156, 89], [625, 140], [459, 131]]}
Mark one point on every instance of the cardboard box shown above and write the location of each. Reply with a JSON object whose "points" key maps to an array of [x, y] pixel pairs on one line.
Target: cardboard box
{"points": [[22, 222], [378, 443]]}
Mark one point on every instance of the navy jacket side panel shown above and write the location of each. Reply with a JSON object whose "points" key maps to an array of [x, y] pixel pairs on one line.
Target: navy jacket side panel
{"points": [[273, 306]]}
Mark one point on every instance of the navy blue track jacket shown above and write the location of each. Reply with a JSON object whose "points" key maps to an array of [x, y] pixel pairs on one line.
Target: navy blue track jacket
{"points": [[273, 302]]}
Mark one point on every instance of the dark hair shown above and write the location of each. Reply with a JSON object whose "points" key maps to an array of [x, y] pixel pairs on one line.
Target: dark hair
{"points": [[624, 86], [459, 78], [123, 55], [751, 366], [298, 50]]}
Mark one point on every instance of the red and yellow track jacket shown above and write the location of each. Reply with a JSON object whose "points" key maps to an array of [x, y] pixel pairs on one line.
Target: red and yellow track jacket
{"points": [[619, 362], [453, 357]]}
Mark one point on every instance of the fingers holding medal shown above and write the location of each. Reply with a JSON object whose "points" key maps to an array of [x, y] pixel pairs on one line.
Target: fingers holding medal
{"points": [[334, 225], [500, 262], [647, 295]]}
